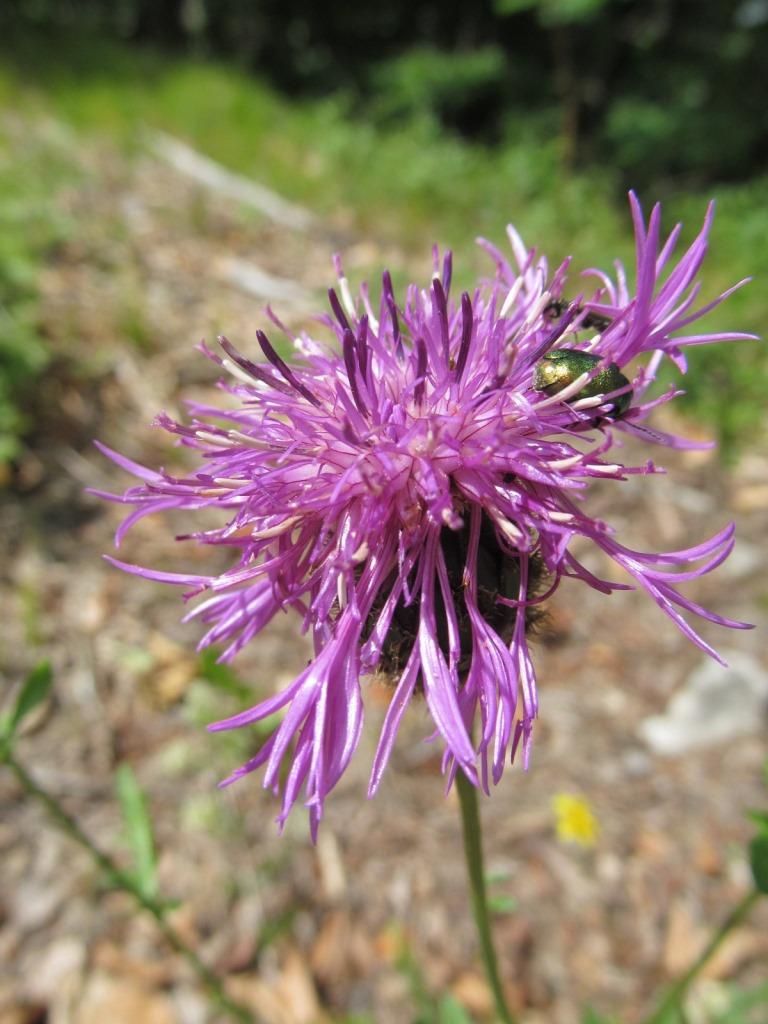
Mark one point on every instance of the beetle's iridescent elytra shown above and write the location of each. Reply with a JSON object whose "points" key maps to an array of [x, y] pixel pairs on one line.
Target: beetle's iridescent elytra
{"points": [[561, 367]]}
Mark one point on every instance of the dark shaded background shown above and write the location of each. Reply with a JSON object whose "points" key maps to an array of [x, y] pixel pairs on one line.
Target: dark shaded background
{"points": [[660, 90]]}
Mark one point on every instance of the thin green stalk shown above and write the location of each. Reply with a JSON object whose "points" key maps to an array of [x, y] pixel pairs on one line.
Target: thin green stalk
{"points": [[473, 848], [676, 992], [122, 880]]}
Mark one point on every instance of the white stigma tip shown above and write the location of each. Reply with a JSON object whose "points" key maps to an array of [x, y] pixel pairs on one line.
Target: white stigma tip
{"points": [[236, 371], [588, 403], [563, 395], [346, 297], [362, 553], [511, 298], [275, 531], [509, 529], [572, 460]]}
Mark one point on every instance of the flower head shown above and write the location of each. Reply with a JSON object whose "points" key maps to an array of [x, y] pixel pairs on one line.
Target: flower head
{"points": [[410, 489]]}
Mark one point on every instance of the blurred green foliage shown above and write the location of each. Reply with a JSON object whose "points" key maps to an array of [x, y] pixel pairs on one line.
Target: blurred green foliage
{"points": [[718, 1003], [499, 903], [430, 83], [429, 1007], [758, 848], [656, 89], [552, 12], [31, 171], [591, 1016], [743, 1006], [139, 830], [427, 122], [34, 690], [222, 676]]}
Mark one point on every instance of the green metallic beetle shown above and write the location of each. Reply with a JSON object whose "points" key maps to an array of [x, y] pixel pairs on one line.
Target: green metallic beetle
{"points": [[561, 367], [589, 321]]}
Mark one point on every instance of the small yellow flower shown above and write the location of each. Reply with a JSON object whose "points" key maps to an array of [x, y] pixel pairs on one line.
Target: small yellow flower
{"points": [[574, 820]]}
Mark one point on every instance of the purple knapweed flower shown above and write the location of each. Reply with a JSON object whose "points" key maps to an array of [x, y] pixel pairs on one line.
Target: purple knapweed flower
{"points": [[412, 491]]}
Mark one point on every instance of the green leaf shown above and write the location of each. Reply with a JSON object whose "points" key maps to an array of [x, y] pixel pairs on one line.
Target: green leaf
{"points": [[450, 1011], [514, 6], [502, 904], [222, 676], [496, 877], [553, 12], [276, 927], [35, 689], [742, 1001], [591, 1016], [564, 12], [760, 818], [758, 859], [139, 827]]}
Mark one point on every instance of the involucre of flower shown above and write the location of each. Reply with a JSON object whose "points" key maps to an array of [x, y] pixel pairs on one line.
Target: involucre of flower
{"points": [[406, 488]]}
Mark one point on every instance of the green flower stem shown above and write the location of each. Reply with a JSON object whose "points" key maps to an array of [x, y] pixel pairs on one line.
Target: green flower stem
{"points": [[473, 848], [122, 880], [676, 992]]}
